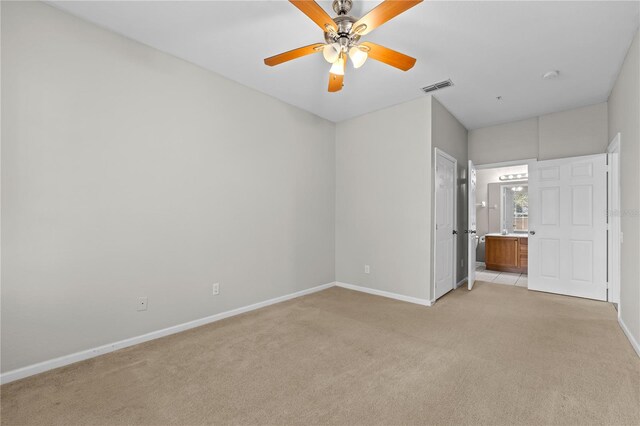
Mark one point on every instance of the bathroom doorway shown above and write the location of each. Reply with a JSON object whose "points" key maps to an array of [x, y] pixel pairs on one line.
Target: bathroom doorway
{"points": [[501, 209]]}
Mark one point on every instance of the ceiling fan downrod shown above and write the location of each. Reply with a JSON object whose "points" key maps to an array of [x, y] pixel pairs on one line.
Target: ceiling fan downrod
{"points": [[342, 7]]}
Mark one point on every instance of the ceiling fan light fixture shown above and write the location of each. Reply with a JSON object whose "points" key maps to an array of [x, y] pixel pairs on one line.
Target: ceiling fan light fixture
{"points": [[331, 52], [338, 66], [358, 57]]}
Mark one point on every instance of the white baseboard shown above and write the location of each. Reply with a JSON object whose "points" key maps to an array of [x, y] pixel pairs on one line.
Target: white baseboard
{"points": [[41, 367], [632, 340], [410, 299], [461, 282]]}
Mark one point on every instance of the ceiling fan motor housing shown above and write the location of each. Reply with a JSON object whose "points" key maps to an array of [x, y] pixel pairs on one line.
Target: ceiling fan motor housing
{"points": [[344, 37]]}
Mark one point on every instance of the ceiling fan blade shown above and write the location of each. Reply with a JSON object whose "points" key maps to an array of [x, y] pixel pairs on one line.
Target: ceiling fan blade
{"points": [[336, 81], [389, 56], [294, 54], [316, 14], [385, 11]]}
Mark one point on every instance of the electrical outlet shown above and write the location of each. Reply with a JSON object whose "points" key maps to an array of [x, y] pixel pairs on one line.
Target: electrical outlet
{"points": [[142, 303], [216, 289], [367, 269]]}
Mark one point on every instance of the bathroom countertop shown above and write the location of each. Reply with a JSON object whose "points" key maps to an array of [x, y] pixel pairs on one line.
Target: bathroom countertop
{"points": [[517, 235]]}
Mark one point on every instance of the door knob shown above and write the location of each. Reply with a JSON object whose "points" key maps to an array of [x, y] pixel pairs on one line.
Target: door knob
{"points": [[455, 232], [532, 232], [472, 231]]}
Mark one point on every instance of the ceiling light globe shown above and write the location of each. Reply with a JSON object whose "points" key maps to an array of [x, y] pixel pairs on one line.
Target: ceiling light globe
{"points": [[358, 57], [338, 67], [331, 52]]}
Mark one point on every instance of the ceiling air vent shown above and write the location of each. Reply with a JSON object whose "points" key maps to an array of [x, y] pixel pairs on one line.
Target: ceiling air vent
{"points": [[437, 86]]}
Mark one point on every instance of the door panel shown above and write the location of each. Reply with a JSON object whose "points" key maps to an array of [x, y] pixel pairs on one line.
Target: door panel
{"points": [[567, 223], [549, 206], [445, 218], [581, 205], [549, 255], [471, 232]]}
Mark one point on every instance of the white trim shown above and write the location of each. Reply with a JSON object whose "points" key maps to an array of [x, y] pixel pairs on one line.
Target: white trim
{"points": [[613, 221], [41, 367], [445, 155], [505, 164], [410, 299], [627, 333], [614, 146]]}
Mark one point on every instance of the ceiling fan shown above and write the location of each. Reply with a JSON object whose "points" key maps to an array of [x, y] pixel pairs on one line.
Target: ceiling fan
{"points": [[342, 37]]}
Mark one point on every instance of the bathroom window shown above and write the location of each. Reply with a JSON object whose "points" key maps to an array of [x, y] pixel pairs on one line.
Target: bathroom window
{"points": [[515, 208]]}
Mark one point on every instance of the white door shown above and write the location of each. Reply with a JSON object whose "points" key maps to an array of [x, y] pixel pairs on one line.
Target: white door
{"points": [[471, 232], [567, 226], [445, 224]]}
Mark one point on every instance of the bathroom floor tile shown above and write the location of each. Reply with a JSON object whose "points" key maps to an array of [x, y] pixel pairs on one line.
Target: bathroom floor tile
{"points": [[523, 281], [506, 278], [486, 276]]}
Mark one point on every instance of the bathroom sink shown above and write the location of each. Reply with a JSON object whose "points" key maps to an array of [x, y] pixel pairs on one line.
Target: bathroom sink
{"points": [[512, 235]]}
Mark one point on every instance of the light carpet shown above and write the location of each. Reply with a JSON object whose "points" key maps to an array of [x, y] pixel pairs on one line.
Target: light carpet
{"points": [[497, 355]]}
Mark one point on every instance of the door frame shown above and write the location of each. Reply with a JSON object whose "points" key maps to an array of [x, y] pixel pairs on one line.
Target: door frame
{"points": [[523, 162], [511, 163], [614, 245], [443, 154]]}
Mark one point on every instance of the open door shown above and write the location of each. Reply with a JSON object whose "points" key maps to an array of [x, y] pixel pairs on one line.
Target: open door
{"points": [[471, 232], [567, 226]]}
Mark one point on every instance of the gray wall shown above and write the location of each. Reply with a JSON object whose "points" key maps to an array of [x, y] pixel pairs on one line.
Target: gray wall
{"points": [[450, 136], [505, 142], [624, 117], [127, 172], [383, 203], [580, 131]]}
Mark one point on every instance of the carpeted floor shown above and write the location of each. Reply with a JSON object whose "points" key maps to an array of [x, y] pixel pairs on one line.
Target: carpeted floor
{"points": [[495, 355]]}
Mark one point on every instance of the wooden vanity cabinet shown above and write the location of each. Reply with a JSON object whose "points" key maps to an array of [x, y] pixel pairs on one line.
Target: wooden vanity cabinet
{"points": [[508, 254], [523, 261]]}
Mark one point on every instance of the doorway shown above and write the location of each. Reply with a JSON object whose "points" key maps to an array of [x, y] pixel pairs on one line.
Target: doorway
{"points": [[445, 222], [498, 223]]}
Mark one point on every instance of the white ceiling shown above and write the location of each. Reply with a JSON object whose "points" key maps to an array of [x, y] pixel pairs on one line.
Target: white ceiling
{"points": [[488, 49]]}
